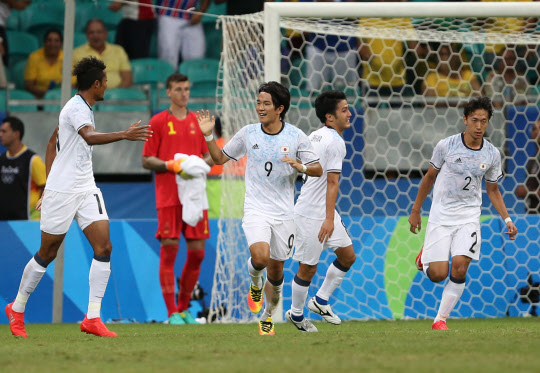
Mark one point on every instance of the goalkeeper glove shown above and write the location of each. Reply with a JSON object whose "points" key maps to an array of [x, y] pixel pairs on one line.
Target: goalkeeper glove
{"points": [[175, 165]]}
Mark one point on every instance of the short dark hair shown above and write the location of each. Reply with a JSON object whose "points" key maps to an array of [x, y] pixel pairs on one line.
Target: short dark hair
{"points": [[87, 71], [53, 31], [280, 96], [92, 20], [476, 103], [16, 125], [176, 77], [327, 103]]}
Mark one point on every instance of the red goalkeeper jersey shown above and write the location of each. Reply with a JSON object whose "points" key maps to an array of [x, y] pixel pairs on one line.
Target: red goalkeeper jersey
{"points": [[171, 136]]}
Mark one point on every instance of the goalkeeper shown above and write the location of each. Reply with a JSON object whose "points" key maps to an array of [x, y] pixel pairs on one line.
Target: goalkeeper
{"points": [[176, 131]]}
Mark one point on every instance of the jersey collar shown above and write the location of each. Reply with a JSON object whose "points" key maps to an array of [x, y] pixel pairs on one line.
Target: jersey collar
{"points": [[90, 107], [273, 134], [465, 145]]}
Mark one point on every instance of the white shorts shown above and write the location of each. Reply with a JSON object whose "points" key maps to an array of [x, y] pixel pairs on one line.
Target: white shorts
{"points": [[279, 234], [308, 248], [443, 242], [58, 210]]}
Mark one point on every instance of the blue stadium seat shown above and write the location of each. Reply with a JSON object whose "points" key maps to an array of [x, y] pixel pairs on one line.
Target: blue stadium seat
{"points": [[203, 73], [79, 38], [16, 74], [38, 18], [13, 22], [16, 94], [86, 11], [150, 70], [214, 40], [123, 94], [55, 94], [21, 44]]}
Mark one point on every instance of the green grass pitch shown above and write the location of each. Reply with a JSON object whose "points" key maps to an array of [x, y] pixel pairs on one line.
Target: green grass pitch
{"points": [[472, 345]]}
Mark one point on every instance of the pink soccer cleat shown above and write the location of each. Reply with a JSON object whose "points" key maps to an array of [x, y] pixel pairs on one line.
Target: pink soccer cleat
{"points": [[439, 325], [96, 327], [16, 322]]}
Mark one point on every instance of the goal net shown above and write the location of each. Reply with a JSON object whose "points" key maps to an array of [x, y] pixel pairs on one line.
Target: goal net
{"points": [[406, 77]]}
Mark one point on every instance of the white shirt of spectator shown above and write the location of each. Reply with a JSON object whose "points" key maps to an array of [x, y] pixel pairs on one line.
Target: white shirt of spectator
{"points": [[457, 195], [331, 150], [71, 171], [269, 181]]}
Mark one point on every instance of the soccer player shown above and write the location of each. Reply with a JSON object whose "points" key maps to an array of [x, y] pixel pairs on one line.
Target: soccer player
{"points": [[318, 224], [176, 131], [458, 164], [71, 192], [272, 147]]}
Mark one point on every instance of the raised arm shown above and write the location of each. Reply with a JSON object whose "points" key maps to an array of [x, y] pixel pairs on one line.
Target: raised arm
{"points": [[133, 133], [207, 124], [496, 199], [415, 220]]}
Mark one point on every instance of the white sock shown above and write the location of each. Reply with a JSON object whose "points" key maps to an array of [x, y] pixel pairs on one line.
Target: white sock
{"points": [[256, 275], [32, 274], [299, 295], [334, 277], [273, 295], [98, 278], [451, 294]]}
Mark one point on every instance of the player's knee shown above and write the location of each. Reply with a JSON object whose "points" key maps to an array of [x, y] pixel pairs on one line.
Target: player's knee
{"points": [[306, 272], [104, 249], [45, 257], [437, 276], [259, 261], [347, 258]]}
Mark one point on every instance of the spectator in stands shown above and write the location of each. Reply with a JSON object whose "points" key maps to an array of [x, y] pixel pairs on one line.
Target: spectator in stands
{"points": [[115, 57], [383, 60], [5, 10], [530, 190], [328, 55], [451, 78], [181, 32], [44, 67], [22, 174], [506, 84], [134, 32]]}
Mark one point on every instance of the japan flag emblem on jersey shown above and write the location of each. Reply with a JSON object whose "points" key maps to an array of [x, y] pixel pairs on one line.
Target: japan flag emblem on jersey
{"points": [[483, 166], [284, 149]]}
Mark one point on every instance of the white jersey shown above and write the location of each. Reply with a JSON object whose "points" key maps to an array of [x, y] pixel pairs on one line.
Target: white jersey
{"points": [[457, 195], [71, 171], [330, 148], [269, 181]]}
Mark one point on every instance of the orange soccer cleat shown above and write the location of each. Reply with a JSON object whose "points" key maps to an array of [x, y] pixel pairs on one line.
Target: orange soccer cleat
{"points": [[16, 322], [418, 260], [439, 325], [255, 298], [266, 327], [96, 327]]}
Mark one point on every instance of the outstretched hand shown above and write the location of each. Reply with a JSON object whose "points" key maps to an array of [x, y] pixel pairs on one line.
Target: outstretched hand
{"points": [[293, 163], [136, 133], [512, 230], [206, 123]]}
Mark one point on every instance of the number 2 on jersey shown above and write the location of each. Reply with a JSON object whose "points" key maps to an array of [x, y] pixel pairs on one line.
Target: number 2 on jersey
{"points": [[470, 179]]}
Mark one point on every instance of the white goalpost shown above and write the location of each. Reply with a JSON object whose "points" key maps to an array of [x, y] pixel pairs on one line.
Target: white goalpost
{"points": [[409, 69]]}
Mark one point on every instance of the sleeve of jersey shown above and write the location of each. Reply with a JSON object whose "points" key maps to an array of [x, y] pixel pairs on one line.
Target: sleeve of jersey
{"points": [[236, 148], [437, 159], [334, 158], [306, 153], [81, 118], [494, 173], [151, 146], [38, 171]]}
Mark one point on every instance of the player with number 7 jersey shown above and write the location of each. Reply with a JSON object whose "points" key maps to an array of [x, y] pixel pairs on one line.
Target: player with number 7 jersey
{"points": [[458, 164], [276, 152]]}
